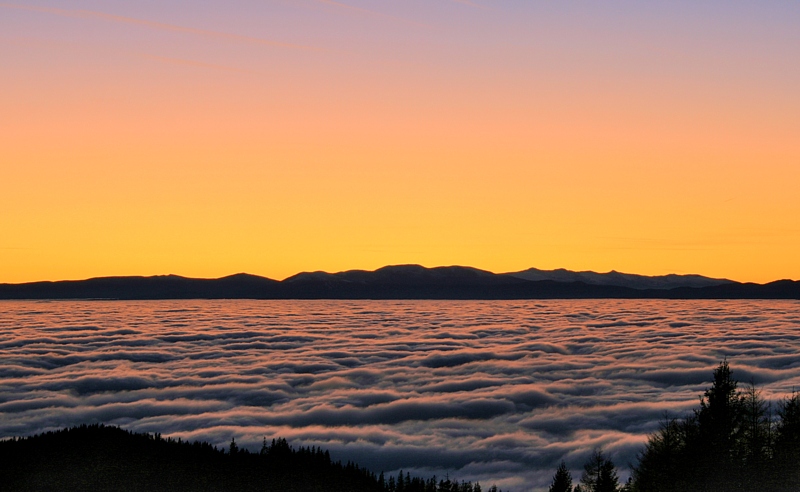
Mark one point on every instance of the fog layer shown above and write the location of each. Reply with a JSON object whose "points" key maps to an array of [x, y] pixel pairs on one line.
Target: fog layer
{"points": [[489, 391]]}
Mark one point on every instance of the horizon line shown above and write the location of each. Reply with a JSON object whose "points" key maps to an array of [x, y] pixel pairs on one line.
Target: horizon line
{"points": [[389, 266]]}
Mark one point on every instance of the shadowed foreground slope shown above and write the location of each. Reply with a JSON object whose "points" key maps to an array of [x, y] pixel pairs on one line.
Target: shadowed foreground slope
{"points": [[103, 458]]}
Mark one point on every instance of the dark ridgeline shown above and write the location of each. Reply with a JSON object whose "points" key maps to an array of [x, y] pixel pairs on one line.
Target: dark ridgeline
{"points": [[621, 279], [732, 443], [103, 458], [408, 282], [157, 287]]}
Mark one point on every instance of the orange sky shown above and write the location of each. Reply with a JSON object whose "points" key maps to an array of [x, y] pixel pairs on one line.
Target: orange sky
{"points": [[283, 136]]}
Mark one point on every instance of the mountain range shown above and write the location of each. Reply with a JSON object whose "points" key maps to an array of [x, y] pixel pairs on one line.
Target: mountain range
{"points": [[618, 279], [408, 282]]}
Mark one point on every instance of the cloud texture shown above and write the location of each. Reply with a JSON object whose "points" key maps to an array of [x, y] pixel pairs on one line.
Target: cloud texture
{"points": [[490, 391]]}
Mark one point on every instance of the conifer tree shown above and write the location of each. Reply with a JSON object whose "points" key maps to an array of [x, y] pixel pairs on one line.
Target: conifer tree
{"points": [[788, 426], [607, 481], [599, 475], [787, 442], [234, 449], [721, 410], [662, 464], [562, 480], [720, 423], [754, 448], [732, 443]]}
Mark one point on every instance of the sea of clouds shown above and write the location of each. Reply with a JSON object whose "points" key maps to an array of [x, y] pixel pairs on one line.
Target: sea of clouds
{"points": [[495, 391]]}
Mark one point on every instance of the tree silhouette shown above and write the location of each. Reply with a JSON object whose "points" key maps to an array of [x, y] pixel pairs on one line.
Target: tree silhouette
{"points": [[663, 463], [731, 443], [233, 449], [720, 421], [720, 413], [787, 442], [599, 474], [755, 440], [562, 480]]}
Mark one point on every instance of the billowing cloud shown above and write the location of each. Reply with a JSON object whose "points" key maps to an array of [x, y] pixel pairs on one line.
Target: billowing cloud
{"points": [[496, 392]]}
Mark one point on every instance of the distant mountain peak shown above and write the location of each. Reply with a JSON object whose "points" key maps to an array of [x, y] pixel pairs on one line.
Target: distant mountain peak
{"points": [[619, 279], [315, 276]]}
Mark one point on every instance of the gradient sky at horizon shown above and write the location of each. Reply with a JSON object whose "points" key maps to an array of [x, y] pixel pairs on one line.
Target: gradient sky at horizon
{"points": [[206, 138]]}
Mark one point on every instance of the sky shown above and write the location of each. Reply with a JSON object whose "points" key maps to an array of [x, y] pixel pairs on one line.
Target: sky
{"points": [[206, 138]]}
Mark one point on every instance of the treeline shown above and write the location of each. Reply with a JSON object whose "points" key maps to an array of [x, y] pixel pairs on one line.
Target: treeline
{"points": [[735, 442], [406, 483], [107, 458]]}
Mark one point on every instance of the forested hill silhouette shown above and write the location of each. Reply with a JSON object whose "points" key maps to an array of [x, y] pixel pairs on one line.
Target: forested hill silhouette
{"points": [[408, 282], [103, 458]]}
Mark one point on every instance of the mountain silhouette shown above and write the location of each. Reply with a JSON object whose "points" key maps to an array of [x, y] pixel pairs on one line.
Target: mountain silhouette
{"points": [[618, 279], [408, 282]]}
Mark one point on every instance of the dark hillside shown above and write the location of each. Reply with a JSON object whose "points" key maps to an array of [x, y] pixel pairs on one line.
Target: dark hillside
{"points": [[109, 458], [102, 458]]}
